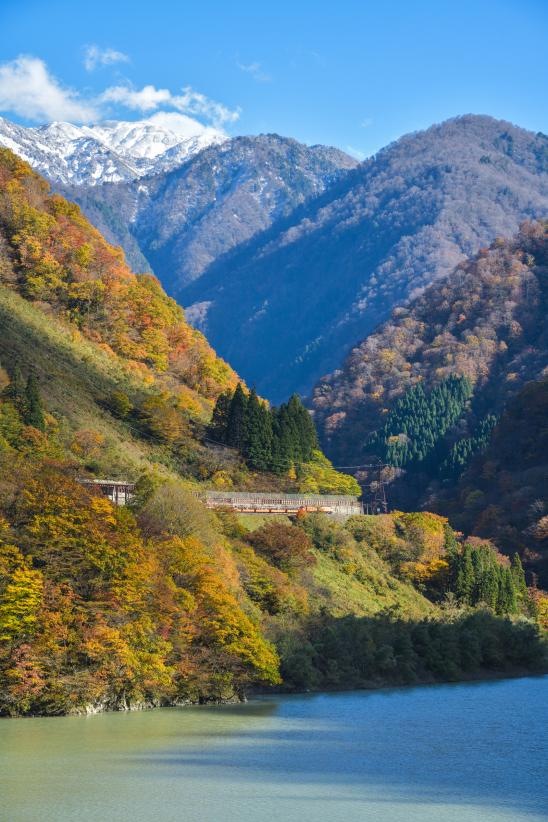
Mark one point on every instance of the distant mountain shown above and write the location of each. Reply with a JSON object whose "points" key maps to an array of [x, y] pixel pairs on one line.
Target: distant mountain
{"points": [[288, 255], [286, 307], [486, 322], [182, 221], [110, 152]]}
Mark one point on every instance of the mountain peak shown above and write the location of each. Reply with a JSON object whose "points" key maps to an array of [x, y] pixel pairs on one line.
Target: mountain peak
{"points": [[150, 138], [115, 150], [60, 130]]}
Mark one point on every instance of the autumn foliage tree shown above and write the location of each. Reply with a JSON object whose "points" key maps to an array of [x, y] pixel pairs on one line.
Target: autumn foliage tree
{"points": [[286, 547]]}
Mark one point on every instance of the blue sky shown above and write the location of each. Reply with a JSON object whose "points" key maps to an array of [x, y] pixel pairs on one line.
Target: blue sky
{"points": [[352, 74]]}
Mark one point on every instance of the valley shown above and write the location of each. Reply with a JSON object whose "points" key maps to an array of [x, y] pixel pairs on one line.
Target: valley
{"points": [[273, 411], [163, 601]]}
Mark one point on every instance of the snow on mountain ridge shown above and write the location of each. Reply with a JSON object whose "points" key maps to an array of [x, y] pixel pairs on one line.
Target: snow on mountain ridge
{"points": [[111, 151], [148, 139]]}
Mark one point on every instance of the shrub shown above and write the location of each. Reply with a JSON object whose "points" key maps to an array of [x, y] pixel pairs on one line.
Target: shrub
{"points": [[286, 546]]}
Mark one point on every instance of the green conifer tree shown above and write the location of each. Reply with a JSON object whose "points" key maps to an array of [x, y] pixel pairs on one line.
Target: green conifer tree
{"points": [[258, 426], [487, 578], [33, 413], [16, 388], [281, 446], [218, 427], [491, 585], [302, 430], [465, 576], [236, 435], [506, 602], [511, 598], [478, 573], [518, 576], [452, 552]]}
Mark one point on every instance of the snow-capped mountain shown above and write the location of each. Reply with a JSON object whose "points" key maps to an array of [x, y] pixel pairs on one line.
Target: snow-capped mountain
{"points": [[113, 151]]}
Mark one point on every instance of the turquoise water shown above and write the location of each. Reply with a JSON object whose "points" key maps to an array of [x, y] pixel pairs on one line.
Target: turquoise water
{"points": [[450, 753]]}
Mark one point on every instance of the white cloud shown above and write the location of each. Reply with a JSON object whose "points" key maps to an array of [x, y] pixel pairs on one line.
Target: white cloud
{"points": [[95, 56], [355, 152], [180, 124], [192, 102], [256, 71], [147, 99], [29, 90]]}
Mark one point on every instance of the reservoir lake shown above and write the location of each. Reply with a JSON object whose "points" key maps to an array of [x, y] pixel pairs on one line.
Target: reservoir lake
{"points": [[473, 752]]}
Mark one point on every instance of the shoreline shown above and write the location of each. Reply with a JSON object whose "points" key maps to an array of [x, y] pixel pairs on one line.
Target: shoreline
{"points": [[423, 683], [149, 705]]}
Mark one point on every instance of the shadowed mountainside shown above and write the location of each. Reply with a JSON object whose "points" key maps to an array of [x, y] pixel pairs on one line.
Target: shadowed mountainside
{"points": [[182, 221], [322, 279], [485, 322]]}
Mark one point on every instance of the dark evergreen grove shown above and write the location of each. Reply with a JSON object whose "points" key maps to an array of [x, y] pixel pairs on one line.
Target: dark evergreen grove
{"points": [[26, 398], [464, 449], [478, 578], [357, 651], [270, 439], [416, 430], [418, 422]]}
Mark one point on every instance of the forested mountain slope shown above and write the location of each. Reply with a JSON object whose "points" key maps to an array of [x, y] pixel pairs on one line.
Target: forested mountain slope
{"points": [[183, 220], [504, 493], [50, 254], [129, 382], [131, 364], [486, 322], [321, 280]]}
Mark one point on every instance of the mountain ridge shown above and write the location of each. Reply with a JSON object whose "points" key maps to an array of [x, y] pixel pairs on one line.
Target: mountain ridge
{"points": [[245, 228], [373, 240], [180, 221]]}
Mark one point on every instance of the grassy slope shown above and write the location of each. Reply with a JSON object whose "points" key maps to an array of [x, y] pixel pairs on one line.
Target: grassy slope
{"points": [[73, 372], [253, 521], [359, 584], [375, 591]]}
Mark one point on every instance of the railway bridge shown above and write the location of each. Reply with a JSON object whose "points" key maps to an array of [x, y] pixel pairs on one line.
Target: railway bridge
{"points": [[120, 492], [265, 503]]}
